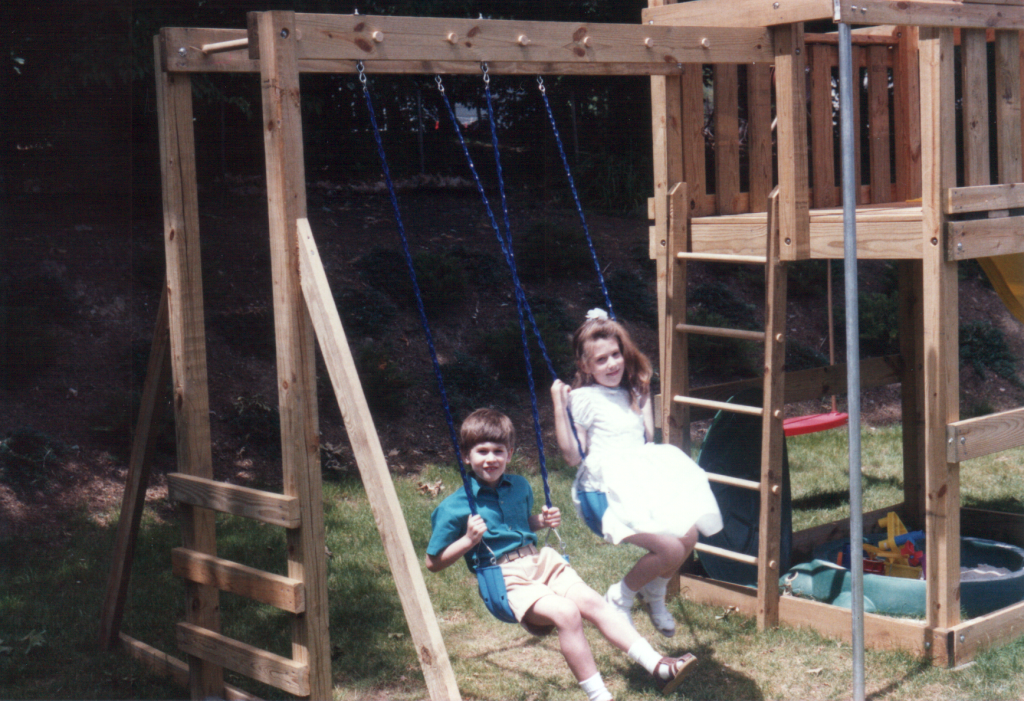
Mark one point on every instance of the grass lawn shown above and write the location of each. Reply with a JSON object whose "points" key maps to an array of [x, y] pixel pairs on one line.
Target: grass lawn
{"points": [[50, 599]]}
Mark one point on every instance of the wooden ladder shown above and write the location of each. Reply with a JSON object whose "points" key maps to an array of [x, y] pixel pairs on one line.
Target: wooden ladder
{"points": [[677, 399]]}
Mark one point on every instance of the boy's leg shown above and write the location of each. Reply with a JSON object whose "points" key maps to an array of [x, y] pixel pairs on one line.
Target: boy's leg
{"points": [[564, 614]]}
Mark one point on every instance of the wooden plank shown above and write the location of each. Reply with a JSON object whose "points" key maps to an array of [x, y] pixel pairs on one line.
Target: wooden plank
{"points": [[984, 238], [907, 113], [878, 123], [876, 239], [1008, 106], [929, 13], [395, 38], [881, 632], [284, 593], [739, 13], [267, 507], [279, 672], [974, 67], [296, 346], [821, 60], [791, 116], [187, 337], [373, 468], [759, 134], [170, 666], [940, 343], [862, 193], [884, 35], [153, 402], [676, 368], [694, 166], [984, 435], [727, 137], [972, 637], [772, 437], [982, 198]]}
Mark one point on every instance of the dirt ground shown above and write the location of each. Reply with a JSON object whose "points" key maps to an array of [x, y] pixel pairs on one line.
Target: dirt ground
{"points": [[89, 273]]}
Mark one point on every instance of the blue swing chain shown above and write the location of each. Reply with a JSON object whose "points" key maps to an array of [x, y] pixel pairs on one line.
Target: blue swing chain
{"points": [[416, 290], [575, 195]]}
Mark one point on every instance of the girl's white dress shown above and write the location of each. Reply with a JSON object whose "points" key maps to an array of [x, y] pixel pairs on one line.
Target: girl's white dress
{"points": [[650, 487]]}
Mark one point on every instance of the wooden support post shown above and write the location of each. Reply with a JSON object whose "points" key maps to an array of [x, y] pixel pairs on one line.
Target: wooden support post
{"points": [[772, 437], [675, 370], [911, 330], [878, 121], [373, 468], [154, 400], [1008, 105], [691, 87], [188, 346], [666, 132], [296, 345], [822, 132], [940, 326], [791, 111]]}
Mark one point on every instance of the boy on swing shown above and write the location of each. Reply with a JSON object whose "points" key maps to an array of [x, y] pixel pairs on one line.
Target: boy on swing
{"points": [[543, 591]]}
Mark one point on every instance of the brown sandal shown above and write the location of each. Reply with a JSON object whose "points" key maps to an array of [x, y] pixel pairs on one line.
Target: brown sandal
{"points": [[678, 667]]}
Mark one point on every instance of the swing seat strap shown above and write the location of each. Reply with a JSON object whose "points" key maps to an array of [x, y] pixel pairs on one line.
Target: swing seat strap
{"points": [[491, 584]]}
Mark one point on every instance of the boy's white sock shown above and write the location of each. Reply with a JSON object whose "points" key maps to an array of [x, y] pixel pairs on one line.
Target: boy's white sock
{"points": [[644, 655], [624, 593], [595, 688]]}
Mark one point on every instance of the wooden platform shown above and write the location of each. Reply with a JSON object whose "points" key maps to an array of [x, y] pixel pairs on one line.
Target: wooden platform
{"points": [[884, 231]]}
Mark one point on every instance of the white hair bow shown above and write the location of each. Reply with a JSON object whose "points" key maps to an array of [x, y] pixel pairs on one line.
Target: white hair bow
{"points": [[597, 314]]}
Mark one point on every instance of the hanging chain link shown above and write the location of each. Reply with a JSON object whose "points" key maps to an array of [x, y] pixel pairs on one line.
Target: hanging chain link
{"points": [[362, 73], [487, 75], [440, 85], [540, 85]]}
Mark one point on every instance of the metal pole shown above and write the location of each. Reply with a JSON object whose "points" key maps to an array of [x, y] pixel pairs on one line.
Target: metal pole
{"points": [[846, 88]]}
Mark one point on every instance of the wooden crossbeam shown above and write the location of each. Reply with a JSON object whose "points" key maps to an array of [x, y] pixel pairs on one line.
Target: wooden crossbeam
{"points": [[276, 509], [334, 43], [720, 406], [170, 666], [734, 481], [984, 238], [285, 593], [983, 198], [742, 334], [727, 554], [279, 672], [984, 435]]}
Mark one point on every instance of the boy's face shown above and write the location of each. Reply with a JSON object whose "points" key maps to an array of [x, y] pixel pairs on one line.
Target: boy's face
{"points": [[488, 461]]}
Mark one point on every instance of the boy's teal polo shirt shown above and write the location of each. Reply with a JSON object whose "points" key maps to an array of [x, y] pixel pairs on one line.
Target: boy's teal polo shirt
{"points": [[506, 511]]}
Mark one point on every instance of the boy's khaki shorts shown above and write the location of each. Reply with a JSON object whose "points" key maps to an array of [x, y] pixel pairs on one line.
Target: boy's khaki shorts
{"points": [[529, 579]]}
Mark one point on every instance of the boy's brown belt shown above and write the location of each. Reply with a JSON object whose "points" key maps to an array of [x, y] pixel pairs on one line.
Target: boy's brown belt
{"points": [[513, 555]]}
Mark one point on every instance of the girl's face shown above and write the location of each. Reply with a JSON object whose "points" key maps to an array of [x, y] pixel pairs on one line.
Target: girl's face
{"points": [[603, 361]]}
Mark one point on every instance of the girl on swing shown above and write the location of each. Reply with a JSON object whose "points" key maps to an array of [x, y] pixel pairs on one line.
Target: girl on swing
{"points": [[627, 489]]}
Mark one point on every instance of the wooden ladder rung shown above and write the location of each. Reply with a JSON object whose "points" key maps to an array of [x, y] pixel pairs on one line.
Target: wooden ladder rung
{"points": [[734, 481], [724, 406], [728, 554], [284, 593], [722, 258], [268, 507], [743, 334], [263, 666]]}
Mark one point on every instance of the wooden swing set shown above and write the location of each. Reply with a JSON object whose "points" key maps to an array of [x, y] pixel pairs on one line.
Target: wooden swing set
{"points": [[692, 220]]}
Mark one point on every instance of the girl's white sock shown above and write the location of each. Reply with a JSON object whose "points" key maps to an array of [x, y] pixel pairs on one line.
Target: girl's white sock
{"points": [[656, 588], [644, 655], [595, 688]]}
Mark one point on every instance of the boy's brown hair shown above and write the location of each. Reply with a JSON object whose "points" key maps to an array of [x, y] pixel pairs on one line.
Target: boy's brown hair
{"points": [[486, 426]]}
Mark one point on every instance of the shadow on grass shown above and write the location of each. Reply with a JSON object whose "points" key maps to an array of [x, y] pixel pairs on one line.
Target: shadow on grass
{"points": [[917, 670], [839, 497]]}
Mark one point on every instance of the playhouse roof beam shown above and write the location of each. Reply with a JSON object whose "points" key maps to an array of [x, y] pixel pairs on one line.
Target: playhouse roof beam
{"points": [[334, 43], [925, 13]]}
